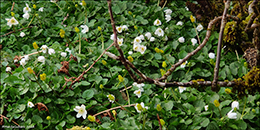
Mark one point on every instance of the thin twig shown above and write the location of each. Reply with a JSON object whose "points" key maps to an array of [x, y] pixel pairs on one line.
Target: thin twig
{"points": [[8, 119], [159, 121], [114, 109], [208, 34], [223, 24], [77, 79], [12, 6], [15, 31], [122, 57], [125, 89]]}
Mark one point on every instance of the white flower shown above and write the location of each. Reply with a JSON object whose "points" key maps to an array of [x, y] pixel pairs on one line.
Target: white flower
{"points": [[138, 85], [112, 37], [148, 35], [211, 55], [124, 27], [157, 22], [168, 11], [186, 8], [30, 104], [142, 49], [68, 50], [23, 62], [63, 54], [22, 34], [44, 48], [26, 9], [26, 57], [53, 1], [183, 64], [180, 23], [232, 115], [168, 18], [152, 39], [136, 47], [206, 107], [137, 40], [165, 38], [181, 39], [41, 9], [41, 59], [85, 28], [194, 41], [26, 15], [181, 89], [51, 51], [111, 98], [8, 69], [199, 27], [15, 60], [11, 21], [120, 41], [130, 52], [140, 107], [141, 37], [138, 92], [235, 104], [159, 32], [119, 29], [81, 111]]}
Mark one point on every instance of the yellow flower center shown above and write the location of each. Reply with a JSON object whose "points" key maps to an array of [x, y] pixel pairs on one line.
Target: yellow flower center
{"points": [[160, 30], [142, 49], [137, 40], [139, 107], [139, 92], [12, 21], [81, 111], [26, 8], [110, 97], [158, 22]]}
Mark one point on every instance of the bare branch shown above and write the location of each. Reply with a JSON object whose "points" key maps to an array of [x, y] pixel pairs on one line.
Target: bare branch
{"points": [[114, 109], [223, 24], [8, 119], [15, 31]]}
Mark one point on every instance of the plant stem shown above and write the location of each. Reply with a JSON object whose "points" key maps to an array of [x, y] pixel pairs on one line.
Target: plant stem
{"points": [[127, 94], [243, 108], [79, 43]]}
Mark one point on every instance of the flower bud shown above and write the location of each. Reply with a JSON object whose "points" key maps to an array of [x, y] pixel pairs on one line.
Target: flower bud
{"points": [[228, 91], [30, 70], [114, 112], [43, 76], [48, 118], [192, 18], [104, 62], [36, 15], [245, 64], [135, 27], [162, 122], [76, 29], [91, 118], [35, 46], [101, 86], [158, 107], [130, 13], [99, 28], [253, 110], [76, 5], [258, 103], [34, 6], [130, 58], [83, 3], [164, 65], [12, 14], [216, 103], [120, 78]]}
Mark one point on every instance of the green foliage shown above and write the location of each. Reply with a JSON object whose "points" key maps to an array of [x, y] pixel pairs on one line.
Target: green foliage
{"points": [[180, 108]]}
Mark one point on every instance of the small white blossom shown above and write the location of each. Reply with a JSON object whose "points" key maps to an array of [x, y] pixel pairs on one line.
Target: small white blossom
{"points": [[159, 32], [11, 21], [140, 107], [168, 18], [53, 1], [181, 89], [157, 22], [8, 69], [26, 15], [165, 38], [186, 8], [181, 39], [23, 62], [232, 115], [15, 61], [81, 111], [111, 98], [235, 104], [136, 47], [142, 49], [183, 64], [168, 11], [138, 85], [199, 27], [26, 9], [30, 104], [137, 40], [180, 23], [206, 107], [41, 59], [63, 54], [112, 37], [148, 35], [41, 9], [85, 28], [124, 27], [68, 50], [22, 34], [138, 92], [152, 39], [141, 37], [120, 41], [130, 52], [211, 55], [119, 29], [44, 48], [51, 51], [26, 57], [194, 41]]}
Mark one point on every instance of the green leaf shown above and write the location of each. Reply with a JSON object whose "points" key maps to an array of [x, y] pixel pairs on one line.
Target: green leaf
{"points": [[37, 119], [157, 56], [212, 126], [168, 105], [70, 119], [88, 94], [175, 44], [205, 122]]}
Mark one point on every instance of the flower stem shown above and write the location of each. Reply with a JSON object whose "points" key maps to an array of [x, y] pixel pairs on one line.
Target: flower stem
{"points": [[243, 108], [79, 43], [31, 20], [127, 94], [219, 112]]}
